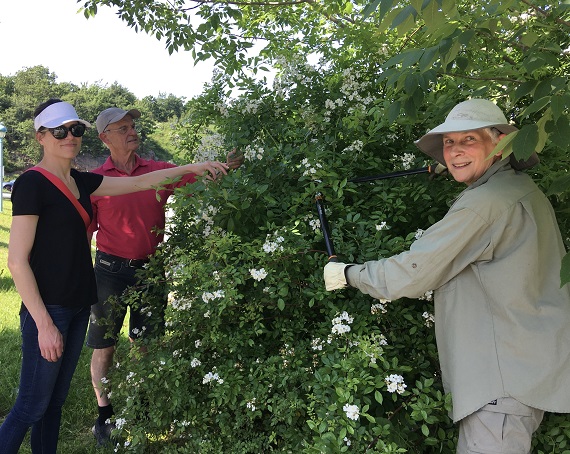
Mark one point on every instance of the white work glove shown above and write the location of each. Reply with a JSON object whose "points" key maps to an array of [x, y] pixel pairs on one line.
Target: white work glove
{"points": [[334, 276]]}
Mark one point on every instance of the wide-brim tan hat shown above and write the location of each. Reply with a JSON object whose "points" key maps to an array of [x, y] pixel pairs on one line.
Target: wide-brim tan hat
{"points": [[467, 116]]}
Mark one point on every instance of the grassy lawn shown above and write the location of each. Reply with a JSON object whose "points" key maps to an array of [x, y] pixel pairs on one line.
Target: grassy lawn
{"points": [[80, 409]]}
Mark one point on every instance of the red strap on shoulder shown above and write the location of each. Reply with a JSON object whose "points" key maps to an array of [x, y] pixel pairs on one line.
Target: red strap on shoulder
{"points": [[63, 188]]}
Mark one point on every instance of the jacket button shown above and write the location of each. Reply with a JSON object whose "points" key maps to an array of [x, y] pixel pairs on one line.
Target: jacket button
{"points": [[414, 265]]}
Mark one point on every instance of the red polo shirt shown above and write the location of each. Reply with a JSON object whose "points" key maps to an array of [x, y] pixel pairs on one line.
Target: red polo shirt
{"points": [[126, 224]]}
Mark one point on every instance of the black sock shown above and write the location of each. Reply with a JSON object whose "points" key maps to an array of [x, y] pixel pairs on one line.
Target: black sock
{"points": [[105, 413]]}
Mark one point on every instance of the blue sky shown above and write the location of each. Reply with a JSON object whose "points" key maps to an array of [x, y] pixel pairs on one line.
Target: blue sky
{"points": [[100, 50]]}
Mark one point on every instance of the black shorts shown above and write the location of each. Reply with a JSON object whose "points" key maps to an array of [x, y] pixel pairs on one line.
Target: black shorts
{"points": [[114, 276]]}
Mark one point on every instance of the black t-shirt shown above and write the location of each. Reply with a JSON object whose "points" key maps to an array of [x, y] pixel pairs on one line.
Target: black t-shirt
{"points": [[60, 256]]}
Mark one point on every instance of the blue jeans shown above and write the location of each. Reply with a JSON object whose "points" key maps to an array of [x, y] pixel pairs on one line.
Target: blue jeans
{"points": [[43, 385]]}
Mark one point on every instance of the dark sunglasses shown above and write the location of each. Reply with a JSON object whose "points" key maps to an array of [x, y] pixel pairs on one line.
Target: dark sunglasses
{"points": [[77, 130]]}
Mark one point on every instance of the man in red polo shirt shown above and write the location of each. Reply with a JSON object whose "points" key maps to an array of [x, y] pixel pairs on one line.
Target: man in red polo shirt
{"points": [[126, 236]]}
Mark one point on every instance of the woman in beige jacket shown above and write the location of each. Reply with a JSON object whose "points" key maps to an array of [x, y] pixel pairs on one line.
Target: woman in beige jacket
{"points": [[502, 320]]}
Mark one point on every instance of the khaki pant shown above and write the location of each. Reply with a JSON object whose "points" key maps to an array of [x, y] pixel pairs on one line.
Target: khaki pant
{"points": [[502, 428]]}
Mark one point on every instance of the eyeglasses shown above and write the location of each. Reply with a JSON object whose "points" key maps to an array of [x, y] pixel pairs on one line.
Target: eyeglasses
{"points": [[124, 129], [77, 130]]}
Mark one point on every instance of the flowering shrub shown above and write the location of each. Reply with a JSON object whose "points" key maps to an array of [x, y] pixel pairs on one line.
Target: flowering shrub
{"points": [[257, 356]]}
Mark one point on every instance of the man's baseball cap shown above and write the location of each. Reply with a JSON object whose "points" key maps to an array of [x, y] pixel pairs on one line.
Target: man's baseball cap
{"points": [[467, 116], [56, 115], [112, 115]]}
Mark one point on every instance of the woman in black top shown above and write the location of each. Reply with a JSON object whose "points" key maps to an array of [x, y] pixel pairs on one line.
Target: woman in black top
{"points": [[49, 257]]}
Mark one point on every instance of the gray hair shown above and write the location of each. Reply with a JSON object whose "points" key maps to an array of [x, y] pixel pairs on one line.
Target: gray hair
{"points": [[494, 134]]}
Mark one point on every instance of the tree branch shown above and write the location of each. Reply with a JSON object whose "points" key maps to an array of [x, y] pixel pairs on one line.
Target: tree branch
{"points": [[495, 79], [254, 3], [544, 13]]}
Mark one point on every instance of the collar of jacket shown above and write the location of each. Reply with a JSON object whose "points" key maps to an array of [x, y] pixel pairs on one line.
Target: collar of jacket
{"points": [[498, 166]]}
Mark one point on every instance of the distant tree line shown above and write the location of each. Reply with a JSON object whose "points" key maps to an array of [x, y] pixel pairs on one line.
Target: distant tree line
{"points": [[22, 92]]}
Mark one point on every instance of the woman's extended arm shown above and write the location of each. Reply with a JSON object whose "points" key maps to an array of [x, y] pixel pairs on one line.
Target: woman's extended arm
{"points": [[118, 185], [22, 234]]}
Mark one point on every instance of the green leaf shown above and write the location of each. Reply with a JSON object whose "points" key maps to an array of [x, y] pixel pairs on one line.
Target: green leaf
{"points": [[525, 89], [432, 15], [557, 104], [428, 57], [536, 106], [529, 38], [559, 185], [559, 132], [565, 270], [403, 16], [525, 141], [393, 112], [378, 396], [370, 8], [411, 57]]}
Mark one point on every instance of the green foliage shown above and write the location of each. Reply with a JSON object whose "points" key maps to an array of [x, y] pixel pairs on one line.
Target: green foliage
{"points": [[21, 93], [257, 357]]}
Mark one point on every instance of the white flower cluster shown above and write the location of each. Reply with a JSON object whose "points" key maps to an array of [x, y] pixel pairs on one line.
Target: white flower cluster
{"points": [[146, 310], [222, 108], [314, 223], [522, 18], [355, 147], [379, 308], [137, 331], [258, 275], [251, 153], [251, 404], [419, 234], [428, 296], [120, 423], [211, 147], [407, 160], [331, 105], [382, 226], [211, 377], [310, 169], [184, 423], [384, 49], [395, 384], [208, 216], [249, 106], [353, 88], [286, 351], [317, 344], [429, 319], [272, 246], [195, 362], [209, 296], [132, 379], [341, 324], [290, 74], [352, 411]]}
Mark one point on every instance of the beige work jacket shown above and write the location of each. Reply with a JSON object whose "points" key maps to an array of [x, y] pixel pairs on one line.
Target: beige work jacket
{"points": [[502, 320]]}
